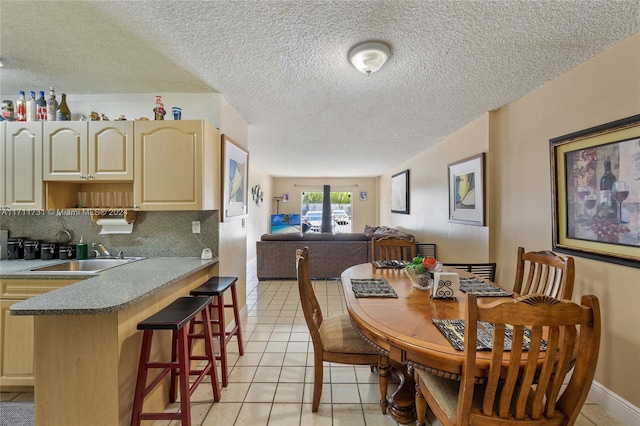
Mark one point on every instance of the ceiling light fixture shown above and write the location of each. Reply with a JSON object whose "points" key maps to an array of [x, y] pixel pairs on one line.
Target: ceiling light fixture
{"points": [[369, 57]]}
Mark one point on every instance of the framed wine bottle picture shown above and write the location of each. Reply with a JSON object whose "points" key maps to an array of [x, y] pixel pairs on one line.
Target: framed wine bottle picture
{"points": [[595, 177]]}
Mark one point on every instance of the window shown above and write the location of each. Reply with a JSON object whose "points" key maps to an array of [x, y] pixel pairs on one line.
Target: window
{"points": [[341, 208]]}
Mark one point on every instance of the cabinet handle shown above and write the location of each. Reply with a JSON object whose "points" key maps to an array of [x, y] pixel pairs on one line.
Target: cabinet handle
{"points": [[82, 176], [89, 176]]}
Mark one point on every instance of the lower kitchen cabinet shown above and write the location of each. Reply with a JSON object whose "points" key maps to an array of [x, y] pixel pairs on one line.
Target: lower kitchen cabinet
{"points": [[16, 332]]}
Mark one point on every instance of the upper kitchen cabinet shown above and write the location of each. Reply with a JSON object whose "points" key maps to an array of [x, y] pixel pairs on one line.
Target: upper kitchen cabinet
{"points": [[21, 161], [88, 151], [177, 165]]}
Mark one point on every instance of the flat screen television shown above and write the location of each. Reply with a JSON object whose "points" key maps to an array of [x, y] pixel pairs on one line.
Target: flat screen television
{"points": [[285, 223]]}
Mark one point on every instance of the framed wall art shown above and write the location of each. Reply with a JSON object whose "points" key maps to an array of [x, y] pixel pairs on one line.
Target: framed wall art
{"points": [[466, 191], [400, 192], [595, 177], [235, 169]]}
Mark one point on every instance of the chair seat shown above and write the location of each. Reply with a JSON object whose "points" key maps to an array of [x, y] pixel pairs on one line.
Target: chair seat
{"points": [[447, 391], [338, 335]]}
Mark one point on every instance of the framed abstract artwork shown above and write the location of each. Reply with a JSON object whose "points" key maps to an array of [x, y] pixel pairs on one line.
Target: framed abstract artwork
{"points": [[235, 169], [400, 192], [595, 178], [466, 191]]}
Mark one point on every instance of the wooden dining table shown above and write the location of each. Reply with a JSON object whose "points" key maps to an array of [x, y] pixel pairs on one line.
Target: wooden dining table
{"points": [[403, 327]]}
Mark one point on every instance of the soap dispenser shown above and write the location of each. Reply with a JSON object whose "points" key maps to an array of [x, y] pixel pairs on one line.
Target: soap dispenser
{"points": [[82, 250]]}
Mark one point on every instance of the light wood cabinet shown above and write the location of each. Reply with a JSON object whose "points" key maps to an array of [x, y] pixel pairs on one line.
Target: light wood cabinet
{"points": [[22, 166], [177, 165], [88, 151], [16, 332]]}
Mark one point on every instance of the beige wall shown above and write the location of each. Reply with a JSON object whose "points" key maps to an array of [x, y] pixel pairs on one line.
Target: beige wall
{"points": [[516, 139], [233, 233], [603, 89], [428, 200], [259, 214]]}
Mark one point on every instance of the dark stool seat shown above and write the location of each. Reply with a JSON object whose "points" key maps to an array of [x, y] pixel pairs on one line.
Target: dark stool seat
{"points": [[215, 288], [175, 317]]}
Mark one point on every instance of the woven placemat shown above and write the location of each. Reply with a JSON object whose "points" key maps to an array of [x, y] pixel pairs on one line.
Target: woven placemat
{"points": [[453, 330], [386, 264], [372, 287], [482, 288]]}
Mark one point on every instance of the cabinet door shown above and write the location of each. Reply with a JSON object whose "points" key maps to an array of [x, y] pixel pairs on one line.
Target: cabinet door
{"points": [[65, 151], [111, 150], [16, 356], [168, 169], [23, 165]]}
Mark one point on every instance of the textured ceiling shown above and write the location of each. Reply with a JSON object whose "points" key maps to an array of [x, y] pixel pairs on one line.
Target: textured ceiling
{"points": [[283, 64]]}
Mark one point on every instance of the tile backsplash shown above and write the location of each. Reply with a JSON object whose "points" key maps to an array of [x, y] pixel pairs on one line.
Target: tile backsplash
{"points": [[154, 233]]}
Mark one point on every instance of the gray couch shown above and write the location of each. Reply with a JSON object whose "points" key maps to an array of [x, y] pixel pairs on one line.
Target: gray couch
{"points": [[329, 254]]}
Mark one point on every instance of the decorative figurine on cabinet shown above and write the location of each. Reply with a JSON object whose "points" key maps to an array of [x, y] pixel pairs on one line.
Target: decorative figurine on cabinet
{"points": [[159, 110]]}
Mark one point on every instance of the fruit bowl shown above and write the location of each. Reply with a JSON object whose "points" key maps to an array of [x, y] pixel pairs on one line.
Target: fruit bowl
{"points": [[421, 281]]}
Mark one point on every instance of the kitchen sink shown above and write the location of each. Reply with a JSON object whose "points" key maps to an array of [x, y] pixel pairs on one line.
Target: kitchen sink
{"points": [[87, 265]]}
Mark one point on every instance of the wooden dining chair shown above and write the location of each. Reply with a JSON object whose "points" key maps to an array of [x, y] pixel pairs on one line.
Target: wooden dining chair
{"points": [[484, 270], [520, 387], [393, 249], [334, 338], [544, 272]]}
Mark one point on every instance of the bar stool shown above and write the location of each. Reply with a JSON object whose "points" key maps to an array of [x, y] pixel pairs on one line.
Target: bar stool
{"points": [[175, 317], [215, 288]]}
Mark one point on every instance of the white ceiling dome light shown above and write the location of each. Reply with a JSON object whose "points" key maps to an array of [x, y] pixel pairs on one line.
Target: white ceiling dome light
{"points": [[369, 57]]}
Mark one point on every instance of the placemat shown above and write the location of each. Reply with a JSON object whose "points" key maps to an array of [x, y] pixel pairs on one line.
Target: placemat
{"points": [[372, 287], [482, 288], [382, 264], [453, 330]]}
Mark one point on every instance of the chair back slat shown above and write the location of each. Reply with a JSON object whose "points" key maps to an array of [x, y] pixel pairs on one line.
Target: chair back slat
{"points": [[527, 384], [392, 249], [544, 272], [427, 250], [308, 300]]}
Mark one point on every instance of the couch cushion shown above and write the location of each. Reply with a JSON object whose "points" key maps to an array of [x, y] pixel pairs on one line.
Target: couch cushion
{"points": [[369, 230], [355, 236], [313, 236], [386, 232], [281, 237]]}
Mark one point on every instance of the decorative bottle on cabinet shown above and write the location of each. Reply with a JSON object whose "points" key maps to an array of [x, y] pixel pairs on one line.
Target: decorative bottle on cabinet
{"points": [[607, 205], [31, 107], [21, 108], [41, 108], [52, 105], [63, 110]]}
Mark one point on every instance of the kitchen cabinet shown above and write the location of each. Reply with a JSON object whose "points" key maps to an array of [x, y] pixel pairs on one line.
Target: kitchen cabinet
{"points": [[21, 158], [88, 151], [16, 332], [177, 165]]}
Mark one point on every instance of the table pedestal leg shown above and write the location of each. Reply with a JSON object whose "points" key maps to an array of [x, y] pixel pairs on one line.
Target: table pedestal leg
{"points": [[402, 406]]}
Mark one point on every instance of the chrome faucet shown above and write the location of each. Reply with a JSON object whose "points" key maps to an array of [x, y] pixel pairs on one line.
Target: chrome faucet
{"points": [[100, 250]]}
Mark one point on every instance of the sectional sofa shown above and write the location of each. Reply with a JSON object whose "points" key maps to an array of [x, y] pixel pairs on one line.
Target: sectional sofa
{"points": [[329, 254]]}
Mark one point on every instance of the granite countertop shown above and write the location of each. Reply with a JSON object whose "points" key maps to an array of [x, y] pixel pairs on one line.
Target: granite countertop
{"points": [[109, 291]]}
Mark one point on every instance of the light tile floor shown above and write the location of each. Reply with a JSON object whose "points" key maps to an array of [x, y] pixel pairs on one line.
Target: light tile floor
{"points": [[271, 384]]}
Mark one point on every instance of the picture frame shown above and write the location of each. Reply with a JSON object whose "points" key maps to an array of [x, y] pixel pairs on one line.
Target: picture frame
{"points": [[235, 179], [467, 191], [590, 217], [400, 192]]}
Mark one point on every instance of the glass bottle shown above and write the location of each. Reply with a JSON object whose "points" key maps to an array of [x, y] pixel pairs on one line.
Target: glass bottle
{"points": [[31, 107], [21, 108], [608, 205], [41, 107], [52, 105], [63, 110]]}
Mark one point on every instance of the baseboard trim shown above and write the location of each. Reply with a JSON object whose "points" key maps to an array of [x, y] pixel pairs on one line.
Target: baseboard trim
{"points": [[614, 404]]}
